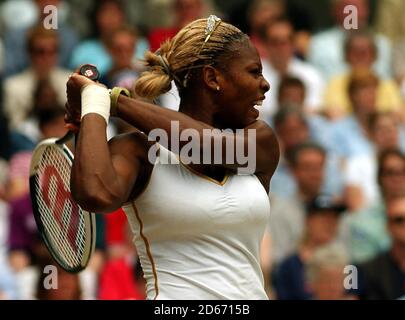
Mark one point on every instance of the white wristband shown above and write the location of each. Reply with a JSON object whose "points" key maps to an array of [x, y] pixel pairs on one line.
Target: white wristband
{"points": [[96, 99]]}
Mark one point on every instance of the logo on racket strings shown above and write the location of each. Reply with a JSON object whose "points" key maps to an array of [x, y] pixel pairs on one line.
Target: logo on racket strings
{"points": [[68, 220]]}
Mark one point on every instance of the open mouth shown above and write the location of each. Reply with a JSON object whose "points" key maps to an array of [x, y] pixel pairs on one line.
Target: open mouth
{"points": [[257, 104]]}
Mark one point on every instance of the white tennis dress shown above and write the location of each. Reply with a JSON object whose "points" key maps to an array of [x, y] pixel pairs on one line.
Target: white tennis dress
{"points": [[198, 238]]}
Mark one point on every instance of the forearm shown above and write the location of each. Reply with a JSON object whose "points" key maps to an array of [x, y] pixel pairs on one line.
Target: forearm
{"points": [[147, 117], [219, 145], [94, 180]]}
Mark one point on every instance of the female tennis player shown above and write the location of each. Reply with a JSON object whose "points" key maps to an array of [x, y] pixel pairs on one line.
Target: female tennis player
{"points": [[197, 227]]}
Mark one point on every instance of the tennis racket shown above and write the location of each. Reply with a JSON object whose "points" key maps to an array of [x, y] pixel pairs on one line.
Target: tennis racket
{"points": [[68, 231]]}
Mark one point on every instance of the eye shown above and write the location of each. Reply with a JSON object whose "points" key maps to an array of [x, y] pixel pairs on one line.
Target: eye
{"points": [[256, 71]]}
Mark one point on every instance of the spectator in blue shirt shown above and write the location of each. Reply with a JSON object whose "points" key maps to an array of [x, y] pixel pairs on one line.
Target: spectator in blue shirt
{"points": [[321, 225]]}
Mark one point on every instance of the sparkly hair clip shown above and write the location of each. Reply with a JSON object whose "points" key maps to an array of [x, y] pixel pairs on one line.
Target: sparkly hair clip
{"points": [[212, 23]]}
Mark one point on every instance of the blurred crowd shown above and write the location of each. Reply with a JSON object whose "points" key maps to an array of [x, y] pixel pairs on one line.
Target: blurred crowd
{"points": [[336, 103]]}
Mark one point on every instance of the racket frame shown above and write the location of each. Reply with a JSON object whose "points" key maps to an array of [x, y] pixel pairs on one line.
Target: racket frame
{"points": [[89, 217]]}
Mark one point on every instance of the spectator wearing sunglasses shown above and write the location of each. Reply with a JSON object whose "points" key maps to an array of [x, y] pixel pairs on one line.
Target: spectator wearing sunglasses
{"points": [[364, 232], [383, 278], [19, 90]]}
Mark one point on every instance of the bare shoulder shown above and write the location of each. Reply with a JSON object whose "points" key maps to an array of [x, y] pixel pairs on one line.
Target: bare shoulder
{"points": [[268, 152], [129, 145], [130, 156], [267, 143]]}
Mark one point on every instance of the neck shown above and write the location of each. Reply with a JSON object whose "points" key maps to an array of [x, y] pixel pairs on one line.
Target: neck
{"points": [[197, 111], [199, 105], [307, 248], [41, 73], [362, 118], [306, 196]]}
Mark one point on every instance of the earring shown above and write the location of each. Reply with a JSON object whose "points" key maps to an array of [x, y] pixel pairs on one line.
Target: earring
{"points": [[218, 88]]}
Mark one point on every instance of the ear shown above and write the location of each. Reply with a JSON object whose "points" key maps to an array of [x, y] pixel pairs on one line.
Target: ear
{"points": [[212, 77]]}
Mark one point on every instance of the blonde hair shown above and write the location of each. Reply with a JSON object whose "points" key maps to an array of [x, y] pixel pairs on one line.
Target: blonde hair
{"points": [[178, 57], [327, 256]]}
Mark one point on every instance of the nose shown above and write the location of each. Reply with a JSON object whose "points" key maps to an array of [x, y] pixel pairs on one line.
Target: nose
{"points": [[265, 85]]}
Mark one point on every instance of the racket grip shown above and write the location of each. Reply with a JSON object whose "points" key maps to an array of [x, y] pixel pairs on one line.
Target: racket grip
{"points": [[68, 136], [90, 71]]}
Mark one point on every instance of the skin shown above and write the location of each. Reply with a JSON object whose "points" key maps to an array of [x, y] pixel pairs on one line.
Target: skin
{"points": [[279, 44], [187, 11], [385, 132], [109, 17], [361, 53], [321, 228], [292, 94], [44, 56], [309, 172], [364, 103], [292, 132], [393, 178], [105, 175], [122, 50]]}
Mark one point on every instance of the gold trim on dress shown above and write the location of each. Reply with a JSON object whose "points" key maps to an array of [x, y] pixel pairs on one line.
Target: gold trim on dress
{"points": [[148, 252], [201, 175]]}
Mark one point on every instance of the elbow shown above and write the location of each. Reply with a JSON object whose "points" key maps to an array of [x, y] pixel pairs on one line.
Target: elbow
{"points": [[95, 198]]}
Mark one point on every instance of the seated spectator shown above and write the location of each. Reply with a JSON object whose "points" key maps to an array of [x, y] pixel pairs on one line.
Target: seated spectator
{"points": [[324, 273], [292, 92], [280, 62], [124, 70], [360, 173], [326, 48], [292, 129], [43, 47], [259, 14], [383, 277], [321, 226], [15, 39], [109, 15], [349, 136], [44, 99], [364, 233], [307, 162], [360, 53], [185, 11]]}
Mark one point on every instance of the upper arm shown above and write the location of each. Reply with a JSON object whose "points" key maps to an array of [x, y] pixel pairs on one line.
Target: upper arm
{"points": [[129, 159], [267, 153], [268, 150]]}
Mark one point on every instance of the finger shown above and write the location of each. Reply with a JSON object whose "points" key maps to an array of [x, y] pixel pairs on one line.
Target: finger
{"points": [[73, 114]]}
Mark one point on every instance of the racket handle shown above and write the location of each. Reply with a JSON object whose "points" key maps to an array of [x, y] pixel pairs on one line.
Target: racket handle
{"points": [[91, 72], [68, 136]]}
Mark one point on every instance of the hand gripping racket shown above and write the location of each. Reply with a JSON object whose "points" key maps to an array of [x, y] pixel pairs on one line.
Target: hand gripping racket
{"points": [[68, 231]]}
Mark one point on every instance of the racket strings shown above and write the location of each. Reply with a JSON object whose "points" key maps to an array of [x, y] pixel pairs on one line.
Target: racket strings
{"points": [[61, 216]]}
